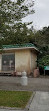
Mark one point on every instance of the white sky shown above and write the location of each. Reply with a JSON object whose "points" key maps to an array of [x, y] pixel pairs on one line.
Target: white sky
{"points": [[41, 16]]}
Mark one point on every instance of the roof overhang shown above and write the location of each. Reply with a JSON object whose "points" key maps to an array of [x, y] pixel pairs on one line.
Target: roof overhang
{"points": [[33, 48], [15, 47]]}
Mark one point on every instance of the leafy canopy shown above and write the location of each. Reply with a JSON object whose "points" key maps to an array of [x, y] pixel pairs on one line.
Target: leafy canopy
{"points": [[11, 14]]}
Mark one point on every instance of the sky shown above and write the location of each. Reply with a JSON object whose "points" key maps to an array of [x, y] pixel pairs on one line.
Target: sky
{"points": [[41, 16]]}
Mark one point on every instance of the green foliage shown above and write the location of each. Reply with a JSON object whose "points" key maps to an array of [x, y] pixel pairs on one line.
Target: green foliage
{"points": [[41, 39], [44, 61], [21, 34], [12, 30]]}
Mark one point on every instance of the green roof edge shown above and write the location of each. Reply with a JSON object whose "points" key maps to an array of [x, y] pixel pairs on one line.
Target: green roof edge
{"points": [[25, 45]]}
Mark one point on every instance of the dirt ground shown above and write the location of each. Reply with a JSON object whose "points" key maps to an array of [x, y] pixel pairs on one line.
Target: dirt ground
{"points": [[34, 84]]}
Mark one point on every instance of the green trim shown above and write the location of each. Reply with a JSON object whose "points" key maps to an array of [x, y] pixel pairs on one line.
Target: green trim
{"points": [[27, 45], [18, 45]]}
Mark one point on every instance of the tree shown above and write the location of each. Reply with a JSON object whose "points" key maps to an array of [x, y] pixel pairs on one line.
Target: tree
{"points": [[41, 39], [44, 61], [11, 13]]}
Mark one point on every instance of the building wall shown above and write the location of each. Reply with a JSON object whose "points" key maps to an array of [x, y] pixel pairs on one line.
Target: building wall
{"points": [[33, 61], [22, 60]]}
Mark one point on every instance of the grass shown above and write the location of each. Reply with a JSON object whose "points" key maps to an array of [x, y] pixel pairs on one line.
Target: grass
{"points": [[17, 99]]}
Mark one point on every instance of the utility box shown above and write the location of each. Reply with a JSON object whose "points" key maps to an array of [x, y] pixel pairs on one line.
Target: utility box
{"points": [[24, 79]]}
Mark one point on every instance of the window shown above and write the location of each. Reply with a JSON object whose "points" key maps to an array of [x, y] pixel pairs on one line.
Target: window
{"points": [[8, 62]]}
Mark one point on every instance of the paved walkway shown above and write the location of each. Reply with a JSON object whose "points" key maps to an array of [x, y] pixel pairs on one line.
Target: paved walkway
{"points": [[40, 102], [34, 84]]}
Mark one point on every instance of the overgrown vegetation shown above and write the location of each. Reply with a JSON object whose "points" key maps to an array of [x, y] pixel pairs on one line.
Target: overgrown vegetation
{"points": [[43, 44], [44, 61]]}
